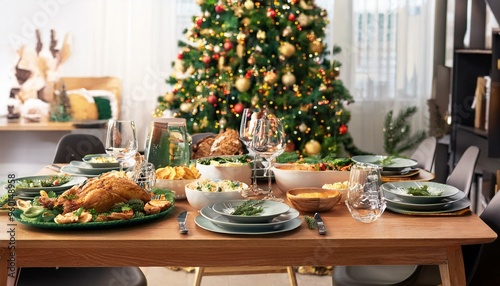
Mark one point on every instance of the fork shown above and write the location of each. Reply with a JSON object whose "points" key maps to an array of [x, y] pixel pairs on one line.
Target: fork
{"points": [[156, 197], [228, 208]]}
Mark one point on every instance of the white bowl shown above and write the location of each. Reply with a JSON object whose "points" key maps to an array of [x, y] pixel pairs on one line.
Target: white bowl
{"points": [[287, 179], [200, 199], [178, 186], [233, 172]]}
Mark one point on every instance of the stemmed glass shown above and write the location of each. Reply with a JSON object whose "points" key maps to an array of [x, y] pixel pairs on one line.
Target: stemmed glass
{"points": [[269, 142], [121, 140], [249, 119]]}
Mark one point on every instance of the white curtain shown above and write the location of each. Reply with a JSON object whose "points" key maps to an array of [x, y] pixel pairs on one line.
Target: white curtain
{"points": [[387, 62]]}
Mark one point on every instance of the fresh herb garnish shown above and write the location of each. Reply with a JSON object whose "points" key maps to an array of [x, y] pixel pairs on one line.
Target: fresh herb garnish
{"points": [[221, 160], [311, 223], [52, 181], [249, 208], [387, 161], [421, 191]]}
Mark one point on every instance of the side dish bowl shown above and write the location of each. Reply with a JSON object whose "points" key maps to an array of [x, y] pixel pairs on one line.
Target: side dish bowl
{"points": [[178, 186], [288, 178], [199, 197], [100, 161], [313, 199]]}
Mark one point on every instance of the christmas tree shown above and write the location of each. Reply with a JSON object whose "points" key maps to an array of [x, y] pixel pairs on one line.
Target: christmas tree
{"points": [[261, 53]]}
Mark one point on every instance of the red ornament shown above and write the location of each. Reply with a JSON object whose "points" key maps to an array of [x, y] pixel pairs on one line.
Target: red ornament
{"points": [[343, 129], [228, 45], [271, 13], [295, 1], [219, 8], [291, 17], [238, 107], [215, 57], [199, 21], [248, 74], [206, 59], [180, 56], [212, 99]]}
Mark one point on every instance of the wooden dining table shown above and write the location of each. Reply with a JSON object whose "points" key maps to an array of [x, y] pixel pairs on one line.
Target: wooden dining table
{"points": [[392, 239]]}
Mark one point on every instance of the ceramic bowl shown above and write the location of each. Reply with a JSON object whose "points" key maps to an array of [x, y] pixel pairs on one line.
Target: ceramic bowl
{"points": [[241, 172], [287, 178], [313, 199], [100, 161], [341, 187], [178, 186], [199, 199]]}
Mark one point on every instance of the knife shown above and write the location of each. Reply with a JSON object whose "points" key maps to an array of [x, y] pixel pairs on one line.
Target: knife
{"points": [[320, 224], [181, 219]]}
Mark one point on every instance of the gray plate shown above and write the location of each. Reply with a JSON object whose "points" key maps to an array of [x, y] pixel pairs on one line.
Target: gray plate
{"points": [[271, 209], [72, 170], [447, 203], [208, 225], [87, 169], [398, 189], [456, 206], [224, 222], [74, 181], [396, 163]]}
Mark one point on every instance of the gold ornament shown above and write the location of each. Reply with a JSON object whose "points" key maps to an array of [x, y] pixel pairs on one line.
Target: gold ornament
{"points": [[288, 79], [240, 50], [270, 77], [261, 35], [312, 147], [287, 49], [245, 21], [255, 100], [190, 70], [287, 31], [179, 66], [242, 84], [316, 47], [169, 97], [304, 20], [249, 5], [200, 2], [251, 60], [304, 5], [241, 37], [186, 107], [302, 127]]}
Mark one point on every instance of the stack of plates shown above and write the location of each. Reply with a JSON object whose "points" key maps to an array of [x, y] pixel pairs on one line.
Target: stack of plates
{"points": [[79, 168], [275, 218], [28, 193], [391, 167], [443, 198]]}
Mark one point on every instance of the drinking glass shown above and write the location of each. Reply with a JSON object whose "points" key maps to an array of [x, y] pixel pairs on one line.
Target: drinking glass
{"points": [[249, 119], [121, 140], [145, 176], [365, 200], [268, 141]]}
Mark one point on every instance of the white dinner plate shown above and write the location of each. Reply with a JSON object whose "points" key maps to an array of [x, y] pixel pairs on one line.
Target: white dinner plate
{"points": [[271, 209], [224, 222], [87, 169], [399, 189], [397, 163], [208, 225], [444, 205]]}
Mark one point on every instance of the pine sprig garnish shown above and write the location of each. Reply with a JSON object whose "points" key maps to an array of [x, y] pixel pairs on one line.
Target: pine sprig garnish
{"points": [[311, 223]]}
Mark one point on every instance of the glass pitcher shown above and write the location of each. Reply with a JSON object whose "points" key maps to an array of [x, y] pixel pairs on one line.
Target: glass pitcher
{"points": [[167, 143]]}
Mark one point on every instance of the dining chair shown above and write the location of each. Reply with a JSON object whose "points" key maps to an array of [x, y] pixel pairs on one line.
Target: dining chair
{"points": [[463, 173], [425, 153], [75, 146], [81, 276], [461, 177]]}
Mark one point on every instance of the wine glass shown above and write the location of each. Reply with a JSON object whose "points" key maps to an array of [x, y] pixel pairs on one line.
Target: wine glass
{"points": [[249, 119], [121, 140], [268, 141]]}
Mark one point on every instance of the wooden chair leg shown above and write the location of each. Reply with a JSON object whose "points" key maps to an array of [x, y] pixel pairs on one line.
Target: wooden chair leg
{"points": [[291, 276], [198, 275]]}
